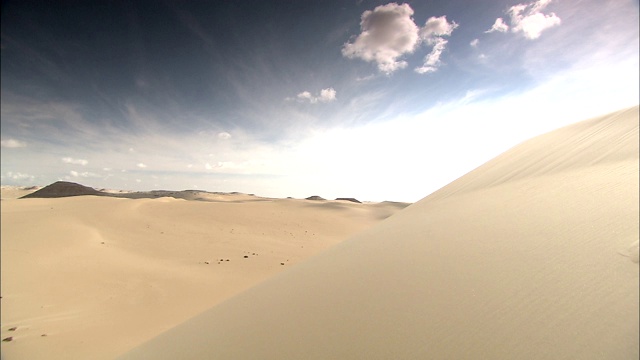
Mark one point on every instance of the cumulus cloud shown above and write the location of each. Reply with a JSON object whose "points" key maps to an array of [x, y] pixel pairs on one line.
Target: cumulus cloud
{"points": [[141, 165], [73, 161], [224, 135], [325, 96], [12, 143], [527, 19], [389, 32], [474, 42]]}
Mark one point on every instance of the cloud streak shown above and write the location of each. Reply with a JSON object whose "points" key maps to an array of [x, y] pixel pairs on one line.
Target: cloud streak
{"points": [[12, 143], [73, 161], [326, 95]]}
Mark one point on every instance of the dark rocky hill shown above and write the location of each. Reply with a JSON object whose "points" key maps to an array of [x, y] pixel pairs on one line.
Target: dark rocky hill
{"points": [[64, 189]]}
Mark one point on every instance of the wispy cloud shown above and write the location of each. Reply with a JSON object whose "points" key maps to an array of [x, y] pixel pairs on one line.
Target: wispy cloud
{"points": [[527, 19], [12, 143], [141, 165], [325, 96], [18, 176], [432, 33], [498, 26], [432, 60], [73, 161], [84, 174]]}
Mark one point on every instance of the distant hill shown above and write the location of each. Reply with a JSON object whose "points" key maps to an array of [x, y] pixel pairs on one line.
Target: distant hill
{"points": [[314, 197], [64, 189]]}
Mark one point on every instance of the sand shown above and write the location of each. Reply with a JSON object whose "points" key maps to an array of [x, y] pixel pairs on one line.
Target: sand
{"points": [[90, 277], [533, 255]]}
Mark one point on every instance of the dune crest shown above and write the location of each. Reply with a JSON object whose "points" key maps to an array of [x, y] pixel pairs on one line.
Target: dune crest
{"points": [[517, 259]]}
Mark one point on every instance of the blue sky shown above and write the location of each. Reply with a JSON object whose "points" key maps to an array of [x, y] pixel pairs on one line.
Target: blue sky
{"points": [[366, 99]]}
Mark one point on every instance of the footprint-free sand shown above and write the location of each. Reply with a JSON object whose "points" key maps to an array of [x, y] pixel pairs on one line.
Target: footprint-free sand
{"points": [[90, 277]]}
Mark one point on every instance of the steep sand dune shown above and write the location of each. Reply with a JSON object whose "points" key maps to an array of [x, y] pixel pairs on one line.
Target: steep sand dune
{"points": [[99, 275], [534, 255]]}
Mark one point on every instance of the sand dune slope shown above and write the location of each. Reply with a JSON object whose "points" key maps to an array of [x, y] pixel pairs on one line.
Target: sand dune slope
{"points": [[534, 255], [90, 277]]}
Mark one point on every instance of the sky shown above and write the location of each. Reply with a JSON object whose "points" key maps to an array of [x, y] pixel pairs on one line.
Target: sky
{"points": [[374, 100]]}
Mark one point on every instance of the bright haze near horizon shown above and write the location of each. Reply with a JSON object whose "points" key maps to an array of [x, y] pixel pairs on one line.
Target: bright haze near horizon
{"points": [[366, 99]]}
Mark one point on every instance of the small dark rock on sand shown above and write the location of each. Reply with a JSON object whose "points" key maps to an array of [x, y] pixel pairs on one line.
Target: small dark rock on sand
{"points": [[7, 339], [13, 328]]}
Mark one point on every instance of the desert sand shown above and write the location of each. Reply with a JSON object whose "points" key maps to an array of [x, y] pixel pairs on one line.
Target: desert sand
{"points": [[90, 277], [533, 255]]}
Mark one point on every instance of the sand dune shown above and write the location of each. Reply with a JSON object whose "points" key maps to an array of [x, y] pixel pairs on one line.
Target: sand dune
{"points": [[533, 255], [14, 192], [98, 275]]}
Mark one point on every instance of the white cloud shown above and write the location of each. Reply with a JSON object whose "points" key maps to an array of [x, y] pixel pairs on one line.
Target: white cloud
{"points": [[73, 161], [366, 78], [141, 165], [474, 42], [498, 26], [326, 95], [435, 28], [432, 32], [224, 135], [527, 19], [225, 165], [533, 25], [432, 60], [18, 176], [84, 174], [389, 32], [12, 143]]}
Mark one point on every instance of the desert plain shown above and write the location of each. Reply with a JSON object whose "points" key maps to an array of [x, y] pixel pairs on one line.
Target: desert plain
{"points": [[533, 255]]}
